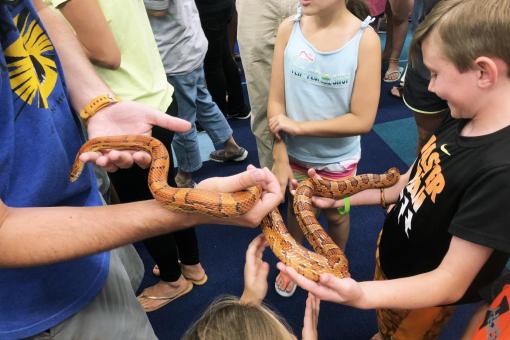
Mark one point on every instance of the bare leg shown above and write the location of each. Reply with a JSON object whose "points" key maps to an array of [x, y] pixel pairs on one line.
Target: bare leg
{"points": [[193, 272], [398, 22], [339, 226], [389, 32]]}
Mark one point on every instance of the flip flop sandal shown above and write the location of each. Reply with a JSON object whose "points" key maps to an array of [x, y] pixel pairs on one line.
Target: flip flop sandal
{"points": [[393, 76], [201, 282], [284, 293], [221, 156], [165, 300]]}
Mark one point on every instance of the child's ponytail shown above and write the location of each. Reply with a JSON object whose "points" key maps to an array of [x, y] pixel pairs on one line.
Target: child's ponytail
{"points": [[359, 8]]}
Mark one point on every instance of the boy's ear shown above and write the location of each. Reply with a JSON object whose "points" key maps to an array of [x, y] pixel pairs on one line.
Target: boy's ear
{"points": [[488, 71]]}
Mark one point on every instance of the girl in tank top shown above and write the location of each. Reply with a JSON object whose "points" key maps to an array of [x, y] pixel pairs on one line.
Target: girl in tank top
{"points": [[324, 93]]}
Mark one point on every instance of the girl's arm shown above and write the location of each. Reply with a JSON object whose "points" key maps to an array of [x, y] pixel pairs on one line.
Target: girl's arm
{"points": [[364, 100], [276, 104], [444, 285], [88, 21]]}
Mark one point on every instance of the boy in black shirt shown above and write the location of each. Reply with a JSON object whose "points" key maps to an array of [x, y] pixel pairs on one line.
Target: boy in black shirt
{"points": [[447, 235]]}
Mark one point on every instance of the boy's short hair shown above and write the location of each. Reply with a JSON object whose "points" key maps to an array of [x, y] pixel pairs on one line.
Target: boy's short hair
{"points": [[468, 29]]}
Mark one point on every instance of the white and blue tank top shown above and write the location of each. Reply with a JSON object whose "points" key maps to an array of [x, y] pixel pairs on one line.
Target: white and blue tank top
{"points": [[318, 86]]}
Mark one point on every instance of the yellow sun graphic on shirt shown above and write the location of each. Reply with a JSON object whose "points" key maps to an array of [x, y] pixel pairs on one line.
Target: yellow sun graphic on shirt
{"points": [[31, 62]]}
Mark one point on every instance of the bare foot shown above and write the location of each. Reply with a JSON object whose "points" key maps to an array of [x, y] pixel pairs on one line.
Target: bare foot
{"points": [[286, 286], [394, 71], [162, 293], [194, 272]]}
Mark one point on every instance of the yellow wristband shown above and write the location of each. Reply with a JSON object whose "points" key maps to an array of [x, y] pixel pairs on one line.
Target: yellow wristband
{"points": [[97, 104]]}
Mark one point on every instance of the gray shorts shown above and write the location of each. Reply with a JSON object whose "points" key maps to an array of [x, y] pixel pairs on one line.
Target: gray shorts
{"points": [[114, 313]]}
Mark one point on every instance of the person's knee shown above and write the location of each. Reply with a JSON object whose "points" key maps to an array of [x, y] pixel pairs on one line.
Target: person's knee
{"points": [[335, 220]]}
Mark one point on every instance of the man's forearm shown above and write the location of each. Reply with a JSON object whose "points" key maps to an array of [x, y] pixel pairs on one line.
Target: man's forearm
{"points": [[56, 234], [83, 83]]}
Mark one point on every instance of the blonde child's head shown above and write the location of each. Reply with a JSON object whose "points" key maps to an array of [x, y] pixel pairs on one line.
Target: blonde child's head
{"points": [[468, 29], [226, 319]]}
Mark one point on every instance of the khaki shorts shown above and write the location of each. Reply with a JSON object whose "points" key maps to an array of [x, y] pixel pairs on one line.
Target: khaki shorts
{"points": [[114, 313]]}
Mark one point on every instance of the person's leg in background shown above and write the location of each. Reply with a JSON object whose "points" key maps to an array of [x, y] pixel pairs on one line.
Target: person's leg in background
{"points": [[221, 71], [131, 185], [429, 110], [185, 144], [397, 12], [216, 125], [258, 23]]}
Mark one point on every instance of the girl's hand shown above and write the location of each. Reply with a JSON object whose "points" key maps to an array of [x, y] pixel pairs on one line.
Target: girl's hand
{"points": [[282, 123], [329, 288], [255, 272], [311, 318]]}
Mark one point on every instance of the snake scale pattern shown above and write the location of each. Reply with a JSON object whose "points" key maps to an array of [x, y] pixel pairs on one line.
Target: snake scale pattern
{"points": [[327, 258]]}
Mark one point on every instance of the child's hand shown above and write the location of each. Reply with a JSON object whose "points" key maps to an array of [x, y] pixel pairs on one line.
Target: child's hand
{"points": [[329, 288], [255, 272], [311, 318], [323, 202], [284, 124]]}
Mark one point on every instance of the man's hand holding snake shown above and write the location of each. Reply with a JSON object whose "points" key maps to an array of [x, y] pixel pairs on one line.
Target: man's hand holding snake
{"points": [[127, 118], [271, 194]]}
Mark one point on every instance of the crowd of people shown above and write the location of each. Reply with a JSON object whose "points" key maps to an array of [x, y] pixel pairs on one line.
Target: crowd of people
{"points": [[78, 69]]}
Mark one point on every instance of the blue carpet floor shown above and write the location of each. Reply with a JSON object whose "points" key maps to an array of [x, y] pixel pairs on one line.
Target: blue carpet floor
{"points": [[392, 142]]}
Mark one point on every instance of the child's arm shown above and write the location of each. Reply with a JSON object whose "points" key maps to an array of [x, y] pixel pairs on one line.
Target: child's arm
{"points": [[255, 272], [366, 197], [443, 285], [311, 318], [364, 100], [92, 30], [276, 104]]}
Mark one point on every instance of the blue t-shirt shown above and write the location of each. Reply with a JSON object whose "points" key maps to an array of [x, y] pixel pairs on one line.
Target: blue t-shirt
{"points": [[39, 138]]}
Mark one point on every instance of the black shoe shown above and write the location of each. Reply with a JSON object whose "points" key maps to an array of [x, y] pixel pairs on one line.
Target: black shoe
{"points": [[239, 115]]}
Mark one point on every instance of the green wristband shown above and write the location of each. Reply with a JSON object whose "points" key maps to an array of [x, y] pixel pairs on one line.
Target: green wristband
{"points": [[346, 208]]}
